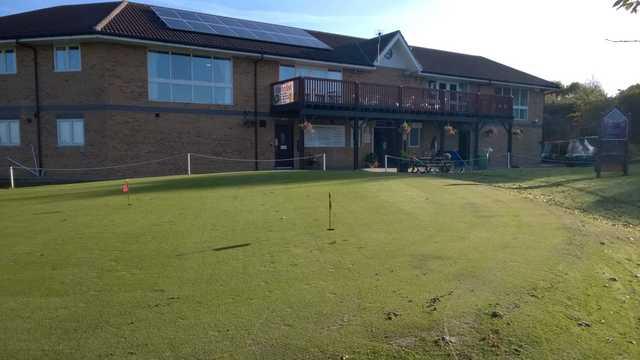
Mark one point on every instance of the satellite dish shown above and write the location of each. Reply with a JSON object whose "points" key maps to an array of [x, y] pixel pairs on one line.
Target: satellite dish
{"points": [[389, 54]]}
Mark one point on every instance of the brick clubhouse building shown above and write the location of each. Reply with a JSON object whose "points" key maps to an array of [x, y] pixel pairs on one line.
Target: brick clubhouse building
{"points": [[106, 84]]}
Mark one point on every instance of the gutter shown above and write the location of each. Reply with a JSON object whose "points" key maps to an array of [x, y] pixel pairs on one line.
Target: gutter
{"points": [[200, 48], [485, 81], [255, 109], [36, 115]]}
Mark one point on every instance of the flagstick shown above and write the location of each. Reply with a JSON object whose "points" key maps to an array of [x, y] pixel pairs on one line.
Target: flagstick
{"points": [[330, 209]]}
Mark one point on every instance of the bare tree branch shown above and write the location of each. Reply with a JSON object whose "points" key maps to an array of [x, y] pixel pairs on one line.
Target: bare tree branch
{"points": [[623, 41]]}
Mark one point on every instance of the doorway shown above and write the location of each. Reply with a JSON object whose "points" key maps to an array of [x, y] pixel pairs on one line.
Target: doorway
{"points": [[386, 141], [464, 144], [283, 146]]}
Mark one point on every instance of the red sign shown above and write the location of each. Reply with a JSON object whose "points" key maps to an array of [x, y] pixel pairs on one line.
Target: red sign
{"points": [[125, 187]]}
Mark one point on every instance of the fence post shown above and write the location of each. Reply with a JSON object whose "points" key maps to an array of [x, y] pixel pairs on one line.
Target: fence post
{"points": [[189, 164], [324, 161], [13, 183], [386, 162]]}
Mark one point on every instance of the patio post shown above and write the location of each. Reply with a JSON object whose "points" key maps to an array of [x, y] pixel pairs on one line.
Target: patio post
{"points": [[355, 144], [443, 136], [509, 143], [476, 143]]}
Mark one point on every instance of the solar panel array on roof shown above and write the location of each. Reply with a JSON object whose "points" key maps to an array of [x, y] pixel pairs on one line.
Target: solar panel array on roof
{"points": [[220, 25]]}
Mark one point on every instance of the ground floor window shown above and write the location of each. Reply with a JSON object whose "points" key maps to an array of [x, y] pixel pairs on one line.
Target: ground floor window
{"points": [[325, 136], [70, 132], [9, 132], [415, 136]]}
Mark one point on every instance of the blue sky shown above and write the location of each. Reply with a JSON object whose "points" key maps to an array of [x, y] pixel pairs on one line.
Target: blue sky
{"points": [[557, 40]]}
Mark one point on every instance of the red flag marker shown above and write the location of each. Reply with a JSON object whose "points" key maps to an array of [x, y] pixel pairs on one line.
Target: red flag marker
{"points": [[125, 189]]}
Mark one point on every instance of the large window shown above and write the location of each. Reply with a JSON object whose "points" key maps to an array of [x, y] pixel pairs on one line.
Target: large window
{"points": [[8, 61], [520, 101], [70, 132], [187, 78], [9, 132], [289, 72], [67, 58], [325, 136], [415, 136]]}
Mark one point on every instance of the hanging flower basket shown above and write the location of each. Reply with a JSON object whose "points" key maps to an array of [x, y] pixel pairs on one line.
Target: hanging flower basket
{"points": [[450, 130], [406, 128], [306, 126], [490, 132], [518, 132]]}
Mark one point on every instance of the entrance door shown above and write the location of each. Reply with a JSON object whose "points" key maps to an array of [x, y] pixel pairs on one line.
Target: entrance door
{"points": [[284, 146], [464, 144], [386, 141]]}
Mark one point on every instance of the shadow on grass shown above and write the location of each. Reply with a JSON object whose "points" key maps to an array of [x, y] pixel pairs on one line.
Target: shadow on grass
{"points": [[198, 182], [223, 248]]}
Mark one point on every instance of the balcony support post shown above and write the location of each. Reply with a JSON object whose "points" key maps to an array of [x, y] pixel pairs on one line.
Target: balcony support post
{"points": [[443, 137], [509, 142], [301, 141], [356, 145], [476, 143]]}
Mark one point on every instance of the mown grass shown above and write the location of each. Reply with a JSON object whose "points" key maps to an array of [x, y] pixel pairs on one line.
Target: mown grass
{"points": [[242, 266]]}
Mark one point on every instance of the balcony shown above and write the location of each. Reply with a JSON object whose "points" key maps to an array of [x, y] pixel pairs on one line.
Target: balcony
{"points": [[317, 96]]}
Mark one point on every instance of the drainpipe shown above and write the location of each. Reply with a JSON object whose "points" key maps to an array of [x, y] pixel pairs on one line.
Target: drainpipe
{"points": [[255, 109], [37, 94]]}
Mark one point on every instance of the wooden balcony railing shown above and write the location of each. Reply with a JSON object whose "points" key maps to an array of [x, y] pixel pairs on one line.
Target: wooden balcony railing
{"points": [[299, 93]]}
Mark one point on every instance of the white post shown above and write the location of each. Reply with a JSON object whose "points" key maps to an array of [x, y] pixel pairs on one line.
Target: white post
{"points": [[386, 162], [13, 183], [324, 161], [509, 160], [189, 164]]}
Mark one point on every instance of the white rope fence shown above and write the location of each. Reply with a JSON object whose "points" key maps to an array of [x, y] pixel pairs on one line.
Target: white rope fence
{"points": [[189, 156]]}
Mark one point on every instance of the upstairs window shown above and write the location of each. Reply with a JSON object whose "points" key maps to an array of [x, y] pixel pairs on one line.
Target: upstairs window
{"points": [[520, 101], [190, 79], [67, 58], [8, 61], [70, 132], [9, 132]]}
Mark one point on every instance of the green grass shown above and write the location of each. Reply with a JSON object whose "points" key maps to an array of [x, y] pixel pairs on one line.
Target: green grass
{"points": [[242, 266]]}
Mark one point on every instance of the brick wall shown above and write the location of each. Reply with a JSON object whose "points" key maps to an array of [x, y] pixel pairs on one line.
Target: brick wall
{"points": [[123, 126]]}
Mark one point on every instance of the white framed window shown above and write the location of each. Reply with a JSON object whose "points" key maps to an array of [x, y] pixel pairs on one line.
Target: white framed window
{"points": [[9, 132], [290, 72], [520, 101], [70, 132], [8, 63], [186, 78], [67, 58], [415, 135], [325, 136]]}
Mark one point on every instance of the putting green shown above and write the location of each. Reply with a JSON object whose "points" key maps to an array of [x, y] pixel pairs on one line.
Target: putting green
{"points": [[242, 266]]}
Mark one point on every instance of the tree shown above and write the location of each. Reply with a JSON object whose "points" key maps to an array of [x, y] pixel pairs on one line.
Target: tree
{"points": [[629, 101], [628, 5], [580, 105]]}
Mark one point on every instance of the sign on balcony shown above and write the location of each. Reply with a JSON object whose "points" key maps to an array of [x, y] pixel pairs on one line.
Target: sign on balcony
{"points": [[283, 93]]}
